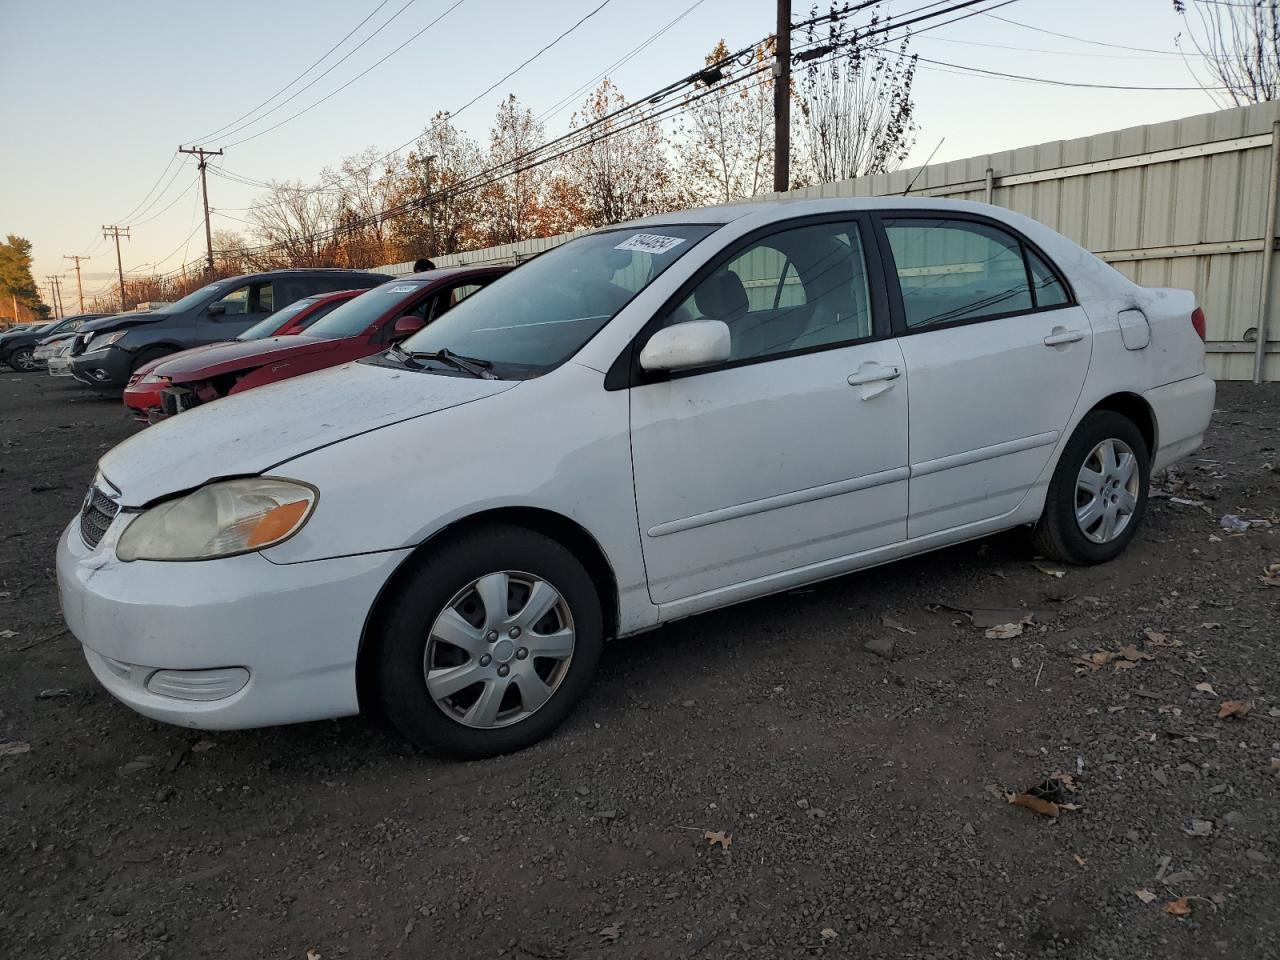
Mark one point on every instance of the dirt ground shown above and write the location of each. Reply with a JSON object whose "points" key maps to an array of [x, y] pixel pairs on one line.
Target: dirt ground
{"points": [[860, 796]]}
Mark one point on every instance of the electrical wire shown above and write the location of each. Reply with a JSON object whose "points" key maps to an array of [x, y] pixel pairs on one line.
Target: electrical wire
{"points": [[301, 90], [316, 63], [194, 183], [956, 67], [1068, 36], [332, 93]]}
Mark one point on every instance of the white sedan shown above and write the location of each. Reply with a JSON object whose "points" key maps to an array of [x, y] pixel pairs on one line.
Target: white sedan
{"points": [[647, 422]]}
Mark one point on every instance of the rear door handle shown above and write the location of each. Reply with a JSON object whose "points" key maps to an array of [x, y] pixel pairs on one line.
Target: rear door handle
{"points": [[873, 373], [1062, 335]]}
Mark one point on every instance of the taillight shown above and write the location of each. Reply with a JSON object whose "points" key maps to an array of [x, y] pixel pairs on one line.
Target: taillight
{"points": [[1197, 321]]}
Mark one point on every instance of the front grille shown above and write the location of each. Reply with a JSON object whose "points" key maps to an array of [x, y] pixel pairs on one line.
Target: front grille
{"points": [[96, 515]]}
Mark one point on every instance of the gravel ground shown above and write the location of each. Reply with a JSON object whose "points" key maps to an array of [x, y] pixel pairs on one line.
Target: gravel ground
{"points": [[861, 796]]}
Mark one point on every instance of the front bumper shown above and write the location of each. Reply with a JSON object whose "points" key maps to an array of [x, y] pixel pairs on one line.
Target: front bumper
{"points": [[143, 400], [60, 366], [107, 369], [220, 644]]}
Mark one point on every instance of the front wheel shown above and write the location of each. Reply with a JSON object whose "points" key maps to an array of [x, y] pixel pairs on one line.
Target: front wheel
{"points": [[488, 646], [1098, 494], [23, 360]]}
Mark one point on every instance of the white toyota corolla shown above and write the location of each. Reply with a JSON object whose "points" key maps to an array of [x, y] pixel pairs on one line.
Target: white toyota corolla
{"points": [[650, 421]]}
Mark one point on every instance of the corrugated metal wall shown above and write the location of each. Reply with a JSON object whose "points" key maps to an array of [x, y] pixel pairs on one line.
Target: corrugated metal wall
{"points": [[1176, 204]]}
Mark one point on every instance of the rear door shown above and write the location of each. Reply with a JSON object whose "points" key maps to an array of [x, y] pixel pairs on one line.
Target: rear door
{"points": [[997, 353]]}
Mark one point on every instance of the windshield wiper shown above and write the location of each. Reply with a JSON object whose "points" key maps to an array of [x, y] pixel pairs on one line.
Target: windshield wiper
{"points": [[471, 365]]}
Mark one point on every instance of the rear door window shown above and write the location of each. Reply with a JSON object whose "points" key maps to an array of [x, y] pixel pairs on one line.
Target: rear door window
{"points": [[956, 271]]}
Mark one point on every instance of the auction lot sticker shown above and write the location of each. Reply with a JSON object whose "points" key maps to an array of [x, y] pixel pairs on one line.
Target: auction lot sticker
{"points": [[654, 243]]}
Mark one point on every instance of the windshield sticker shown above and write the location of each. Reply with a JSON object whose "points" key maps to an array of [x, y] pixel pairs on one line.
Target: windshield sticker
{"points": [[403, 288], [654, 243]]}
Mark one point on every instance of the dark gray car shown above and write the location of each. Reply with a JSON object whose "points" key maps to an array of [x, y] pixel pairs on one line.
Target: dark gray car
{"points": [[108, 350]]}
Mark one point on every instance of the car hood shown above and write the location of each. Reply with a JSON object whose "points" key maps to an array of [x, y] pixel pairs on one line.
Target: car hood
{"points": [[121, 321], [239, 355], [252, 432], [149, 368]]}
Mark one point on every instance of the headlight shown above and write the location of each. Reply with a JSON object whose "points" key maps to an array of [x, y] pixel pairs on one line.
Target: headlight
{"points": [[219, 520], [100, 340]]}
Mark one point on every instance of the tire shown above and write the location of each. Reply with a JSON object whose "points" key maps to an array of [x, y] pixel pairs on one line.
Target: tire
{"points": [[23, 361], [147, 356], [444, 596], [1085, 539]]}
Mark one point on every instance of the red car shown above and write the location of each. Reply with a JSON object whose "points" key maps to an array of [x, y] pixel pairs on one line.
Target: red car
{"points": [[142, 394], [364, 326]]}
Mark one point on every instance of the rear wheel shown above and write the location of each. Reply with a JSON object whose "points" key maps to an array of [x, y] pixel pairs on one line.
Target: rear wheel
{"points": [[488, 646], [23, 361], [1098, 494]]}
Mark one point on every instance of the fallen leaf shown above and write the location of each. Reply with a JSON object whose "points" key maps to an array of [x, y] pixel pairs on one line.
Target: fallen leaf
{"points": [[718, 836], [1157, 639], [1205, 687], [612, 932], [1004, 631], [1078, 859], [1050, 571], [1133, 654], [1185, 502], [1102, 657], [313, 954], [1125, 664], [1065, 781], [6, 634], [13, 748], [1199, 828], [828, 933], [893, 624], [1178, 908], [1046, 808], [1146, 896], [201, 746], [1235, 708], [1271, 575]]}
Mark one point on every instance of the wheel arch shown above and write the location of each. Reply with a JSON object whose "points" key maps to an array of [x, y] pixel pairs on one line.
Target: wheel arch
{"points": [[1136, 409], [567, 532]]}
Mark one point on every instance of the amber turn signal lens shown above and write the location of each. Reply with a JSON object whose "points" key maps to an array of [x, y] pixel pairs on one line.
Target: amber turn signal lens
{"points": [[277, 522]]}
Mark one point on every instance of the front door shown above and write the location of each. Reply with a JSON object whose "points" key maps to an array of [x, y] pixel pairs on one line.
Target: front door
{"points": [[795, 451], [997, 354]]}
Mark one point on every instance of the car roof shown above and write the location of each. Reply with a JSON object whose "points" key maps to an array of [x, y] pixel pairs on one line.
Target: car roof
{"points": [[449, 273]]}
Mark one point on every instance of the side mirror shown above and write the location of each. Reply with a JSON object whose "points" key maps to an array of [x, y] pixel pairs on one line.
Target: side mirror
{"points": [[216, 309], [407, 327], [695, 343]]}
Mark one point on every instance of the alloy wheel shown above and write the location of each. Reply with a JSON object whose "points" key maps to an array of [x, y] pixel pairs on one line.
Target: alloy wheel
{"points": [[1107, 491], [23, 360], [499, 649]]}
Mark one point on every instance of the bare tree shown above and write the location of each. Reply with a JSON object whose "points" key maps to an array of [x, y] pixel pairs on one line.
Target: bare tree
{"points": [[296, 220], [1239, 42], [724, 147], [455, 212], [855, 100], [618, 175]]}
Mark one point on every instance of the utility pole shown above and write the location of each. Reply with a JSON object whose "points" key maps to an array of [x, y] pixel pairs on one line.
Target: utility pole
{"points": [[782, 99], [114, 232], [431, 202], [204, 154], [79, 285], [55, 296]]}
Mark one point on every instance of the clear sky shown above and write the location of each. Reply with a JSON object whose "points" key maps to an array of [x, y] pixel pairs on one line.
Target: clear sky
{"points": [[97, 96]]}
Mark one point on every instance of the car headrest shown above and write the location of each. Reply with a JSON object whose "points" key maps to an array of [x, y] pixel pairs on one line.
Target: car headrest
{"points": [[721, 295]]}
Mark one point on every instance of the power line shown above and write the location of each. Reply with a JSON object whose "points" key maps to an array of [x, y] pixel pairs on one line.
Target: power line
{"points": [[374, 65], [1056, 83], [159, 213], [316, 63], [1068, 36]]}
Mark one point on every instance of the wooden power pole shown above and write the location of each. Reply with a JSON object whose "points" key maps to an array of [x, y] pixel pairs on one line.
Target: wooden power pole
{"points": [[204, 154], [114, 232], [55, 296], [79, 285], [782, 99]]}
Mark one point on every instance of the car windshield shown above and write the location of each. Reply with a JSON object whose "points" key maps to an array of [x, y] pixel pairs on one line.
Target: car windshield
{"points": [[355, 315], [265, 328], [534, 318], [193, 299]]}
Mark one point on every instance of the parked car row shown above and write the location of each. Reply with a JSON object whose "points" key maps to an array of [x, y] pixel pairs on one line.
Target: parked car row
{"points": [[647, 422]]}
